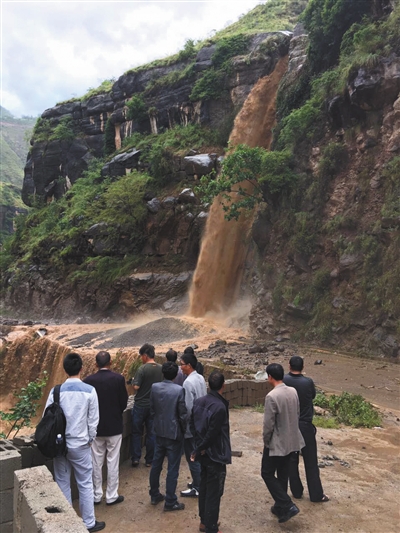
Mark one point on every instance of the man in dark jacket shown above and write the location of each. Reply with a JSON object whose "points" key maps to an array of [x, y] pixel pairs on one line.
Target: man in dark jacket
{"points": [[210, 421], [113, 397], [168, 410], [306, 392]]}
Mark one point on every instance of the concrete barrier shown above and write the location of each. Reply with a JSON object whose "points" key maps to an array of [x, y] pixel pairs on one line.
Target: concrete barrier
{"points": [[40, 506]]}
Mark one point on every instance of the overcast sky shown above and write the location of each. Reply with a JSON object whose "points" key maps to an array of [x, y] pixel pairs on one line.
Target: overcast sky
{"points": [[54, 50]]}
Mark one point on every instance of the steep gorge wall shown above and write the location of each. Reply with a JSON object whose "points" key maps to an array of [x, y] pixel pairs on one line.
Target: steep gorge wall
{"points": [[52, 165]]}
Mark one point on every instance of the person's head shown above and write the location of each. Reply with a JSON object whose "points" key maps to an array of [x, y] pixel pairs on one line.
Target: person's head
{"points": [[72, 364], [188, 363], [189, 350], [275, 372], [216, 380], [171, 355], [103, 359], [296, 363], [169, 370], [147, 352]]}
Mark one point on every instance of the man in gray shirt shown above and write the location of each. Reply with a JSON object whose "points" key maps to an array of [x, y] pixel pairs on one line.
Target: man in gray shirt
{"points": [[195, 387], [282, 438], [149, 373]]}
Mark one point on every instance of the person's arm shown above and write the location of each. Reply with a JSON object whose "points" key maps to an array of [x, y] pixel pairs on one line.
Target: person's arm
{"points": [[314, 392], [189, 397], [215, 423], [50, 400], [182, 411], [138, 379], [270, 411], [93, 415], [123, 395]]}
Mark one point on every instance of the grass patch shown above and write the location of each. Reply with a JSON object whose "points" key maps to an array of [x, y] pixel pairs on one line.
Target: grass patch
{"points": [[350, 409], [325, 422], [258, 408]]}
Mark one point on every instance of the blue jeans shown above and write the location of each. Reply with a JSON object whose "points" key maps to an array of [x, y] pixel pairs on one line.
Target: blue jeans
{"points": [[194, 466], [141, 417], [172, 449]]}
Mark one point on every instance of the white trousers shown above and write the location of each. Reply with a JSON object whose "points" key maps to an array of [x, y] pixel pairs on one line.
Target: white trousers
{"points": [[80, 459], [100, 447]]}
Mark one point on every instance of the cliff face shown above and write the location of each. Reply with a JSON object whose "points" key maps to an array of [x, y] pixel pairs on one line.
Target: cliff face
{"points": [[165, 94], [328, 272]]}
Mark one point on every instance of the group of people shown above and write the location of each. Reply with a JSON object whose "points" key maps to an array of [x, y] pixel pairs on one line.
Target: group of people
{"points": [[181, 417]]}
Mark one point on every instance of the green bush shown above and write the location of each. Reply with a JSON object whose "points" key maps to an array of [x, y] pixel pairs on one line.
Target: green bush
{"points": [[137, 109], [229, 47], [326, 22], [209, 86], [350, 409], [64, 131], [109, 138], [25, 409], [254, 175]]}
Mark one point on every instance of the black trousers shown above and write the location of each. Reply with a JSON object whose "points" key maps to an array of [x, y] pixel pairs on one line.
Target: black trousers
{"points": [[309, 452], [277, 485], [212, 484]]}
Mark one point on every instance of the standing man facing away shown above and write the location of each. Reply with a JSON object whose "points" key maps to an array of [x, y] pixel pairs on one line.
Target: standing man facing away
{"points": [[195, 387], [282, 438], [168, 409], [210, 418], [172, 356], [306, 392], [113, 398], [149, 373], [79, 402]]}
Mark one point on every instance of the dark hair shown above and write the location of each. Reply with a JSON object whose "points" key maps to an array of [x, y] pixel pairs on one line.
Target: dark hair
{"points": [[275, 370], [169, 370], [296, 363], [189, 359], [103, 359], [189, 350], [216, 380], [171, 355], [147, 349], [72, 364]]}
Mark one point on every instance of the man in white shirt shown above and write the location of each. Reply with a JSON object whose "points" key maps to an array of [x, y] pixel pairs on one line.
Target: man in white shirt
{"points": [[195, 387], [79, 402]]}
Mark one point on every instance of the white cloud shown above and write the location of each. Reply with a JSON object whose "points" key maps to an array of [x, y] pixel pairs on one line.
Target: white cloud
{"points": [[52, 50]]}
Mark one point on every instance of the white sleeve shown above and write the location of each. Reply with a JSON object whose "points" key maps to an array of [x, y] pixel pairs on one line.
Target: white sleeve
{"points": [[93, 414]]}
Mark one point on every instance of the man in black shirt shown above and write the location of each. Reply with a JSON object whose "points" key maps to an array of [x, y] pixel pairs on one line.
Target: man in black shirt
{"points": [[306, 392]]}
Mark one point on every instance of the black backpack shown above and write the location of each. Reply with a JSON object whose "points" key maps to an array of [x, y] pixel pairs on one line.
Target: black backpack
{"points": [[52, 424]]}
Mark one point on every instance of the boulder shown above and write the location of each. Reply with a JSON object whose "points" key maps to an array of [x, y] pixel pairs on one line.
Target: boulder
{"points": [[200, 165], [153, 206], [187, 196]]}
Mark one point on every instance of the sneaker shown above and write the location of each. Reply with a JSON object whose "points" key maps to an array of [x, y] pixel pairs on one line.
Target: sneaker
{"points": [[98, 526], [157, 499], [135, 464], [120, 499], [190, 493], [97, 503], [190, 485], [176, 507], [290, 513]]}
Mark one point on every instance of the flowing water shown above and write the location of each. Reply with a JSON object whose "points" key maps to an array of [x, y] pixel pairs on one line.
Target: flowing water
{"points": [[216, 281]]}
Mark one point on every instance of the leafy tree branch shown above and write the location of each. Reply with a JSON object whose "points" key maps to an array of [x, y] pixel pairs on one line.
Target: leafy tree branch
{"points": [[249, 176]]}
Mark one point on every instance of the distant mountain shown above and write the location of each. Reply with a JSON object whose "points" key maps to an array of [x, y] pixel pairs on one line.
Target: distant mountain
{"points": [[14, 146]]}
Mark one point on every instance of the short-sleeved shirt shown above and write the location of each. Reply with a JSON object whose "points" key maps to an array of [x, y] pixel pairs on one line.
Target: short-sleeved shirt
{"points": [[147, 374]]}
